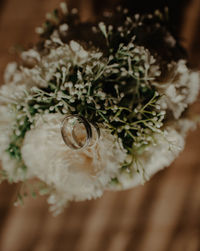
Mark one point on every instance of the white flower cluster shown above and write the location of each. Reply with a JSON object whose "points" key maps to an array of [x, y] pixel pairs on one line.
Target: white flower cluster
{"points": [[39, 94], [46, 66], [157, 156]]}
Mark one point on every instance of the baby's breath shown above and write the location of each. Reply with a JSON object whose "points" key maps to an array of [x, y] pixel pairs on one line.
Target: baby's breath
{"points": [[114, 90]]}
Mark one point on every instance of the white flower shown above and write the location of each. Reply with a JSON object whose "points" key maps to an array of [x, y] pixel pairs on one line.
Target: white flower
{"points": [[74, 175], [157, 156], [64, 8], [10, 72], [12, 93], [7, 120], [180, 89], [33, 54], [170, 40], [10, 165], [16, 81], [47, 65], [63, 28]]}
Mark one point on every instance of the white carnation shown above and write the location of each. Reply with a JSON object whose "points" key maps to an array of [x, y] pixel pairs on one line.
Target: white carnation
{"points": [[180, 89], [7, 120], [74, 175], [11, 93]]}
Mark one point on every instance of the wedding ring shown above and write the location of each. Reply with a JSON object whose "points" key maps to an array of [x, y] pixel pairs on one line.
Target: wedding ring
{"points": [[78, 133]]}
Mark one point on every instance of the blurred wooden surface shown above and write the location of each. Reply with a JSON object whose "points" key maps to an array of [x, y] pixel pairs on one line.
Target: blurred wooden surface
{"points": [[163, 215]]}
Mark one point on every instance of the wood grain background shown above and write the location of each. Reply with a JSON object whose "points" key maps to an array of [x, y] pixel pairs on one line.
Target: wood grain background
{"points": [[163, 215]]}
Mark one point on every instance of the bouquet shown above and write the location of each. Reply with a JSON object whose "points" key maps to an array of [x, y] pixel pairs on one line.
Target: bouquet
{"points": [[95, 106]]}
